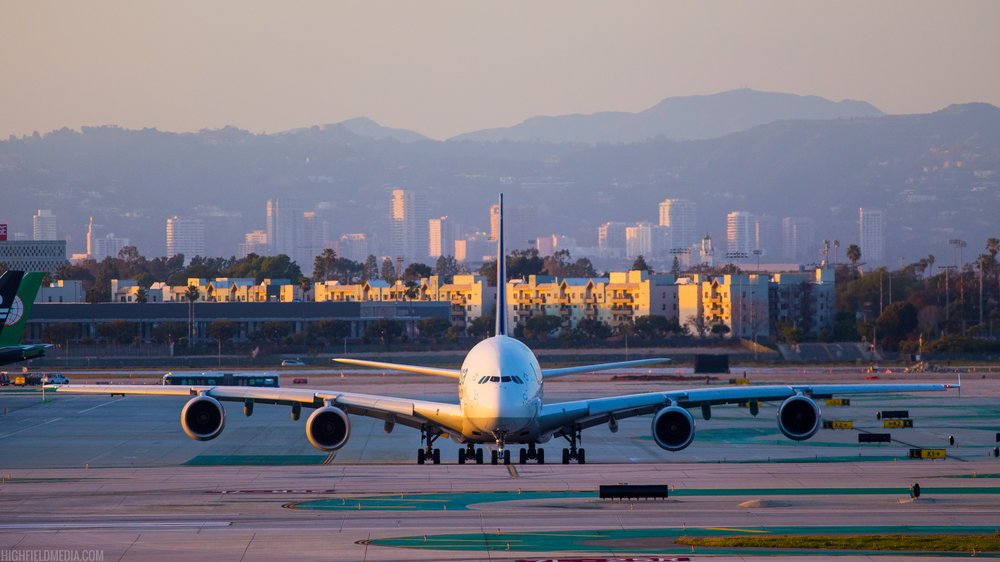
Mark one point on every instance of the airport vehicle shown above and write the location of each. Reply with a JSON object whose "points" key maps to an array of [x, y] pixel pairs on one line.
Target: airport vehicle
{"points": [[17, 295], [267, 380], [292, 363], [54, 379], [500, 402]]}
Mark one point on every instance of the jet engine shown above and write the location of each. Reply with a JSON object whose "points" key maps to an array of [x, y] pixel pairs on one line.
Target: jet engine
{"points": [[673, 428], [203, 418], [798, 418], [328, 428]]}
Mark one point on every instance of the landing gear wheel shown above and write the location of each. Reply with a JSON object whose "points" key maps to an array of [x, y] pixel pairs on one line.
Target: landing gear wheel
{"points": [[541, 456], [565, 456], [581, 456], [493, 456], [506, 456], [421, 457], [522, 456], [461, 456], [437, 456], [479, 456]]}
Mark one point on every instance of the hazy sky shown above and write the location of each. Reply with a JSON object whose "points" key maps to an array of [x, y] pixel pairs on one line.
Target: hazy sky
{"points": [[443, 68]]}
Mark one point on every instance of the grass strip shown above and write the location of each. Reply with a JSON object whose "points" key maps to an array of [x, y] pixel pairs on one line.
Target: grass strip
{"points": [[909, 543]]}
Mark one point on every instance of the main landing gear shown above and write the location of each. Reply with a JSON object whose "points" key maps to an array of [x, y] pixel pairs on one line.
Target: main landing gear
{"points": [[572, 452], [428, 452], [495, 456], [531, 453], [470, 453]]}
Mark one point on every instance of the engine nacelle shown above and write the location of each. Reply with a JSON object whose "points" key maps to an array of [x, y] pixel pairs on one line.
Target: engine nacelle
{"points": [[203, 418], [673, 428], [328, 428], [799, 418]]}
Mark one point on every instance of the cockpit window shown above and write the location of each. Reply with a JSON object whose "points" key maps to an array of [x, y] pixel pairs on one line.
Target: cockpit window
{"points": [[517, 379], [483, 379], [504, 379], [494, 379]]}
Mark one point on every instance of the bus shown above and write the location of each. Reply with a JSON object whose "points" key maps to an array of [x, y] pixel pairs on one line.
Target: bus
{"points": [[269, 380]]}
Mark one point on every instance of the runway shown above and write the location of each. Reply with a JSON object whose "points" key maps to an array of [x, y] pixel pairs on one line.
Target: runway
{"points": [[119, 476]]}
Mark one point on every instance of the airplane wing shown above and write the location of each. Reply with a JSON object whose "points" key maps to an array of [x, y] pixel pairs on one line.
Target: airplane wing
{"points": [[405, 411], [553, 373], [450, 373], [581, 414]]}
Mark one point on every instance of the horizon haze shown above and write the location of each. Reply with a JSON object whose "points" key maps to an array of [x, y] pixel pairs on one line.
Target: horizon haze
{"points": [[448, 68]]}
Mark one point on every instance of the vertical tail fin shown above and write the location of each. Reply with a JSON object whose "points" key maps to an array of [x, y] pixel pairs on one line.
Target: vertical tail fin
{"points": [[501, 278], [20, 308], [9, 282]]}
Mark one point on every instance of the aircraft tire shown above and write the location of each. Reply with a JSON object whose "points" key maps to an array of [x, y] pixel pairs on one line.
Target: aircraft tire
{"points": [[421, 457], [437, 456], [565, 456], [493, 457], [506, 456], [479, 456], [540, 456], [581, 456], [461, 456], [523, 456]]}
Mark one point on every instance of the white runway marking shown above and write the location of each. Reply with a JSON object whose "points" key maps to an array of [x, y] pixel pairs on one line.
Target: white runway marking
{"points": [[28, 428], [116, 524], [101, 405]]}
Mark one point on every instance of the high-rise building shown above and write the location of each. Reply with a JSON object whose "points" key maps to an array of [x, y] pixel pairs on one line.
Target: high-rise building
{"points": [[108, 247], [767, 235], [741, 235], [871, 223], [408, 226], [185, 236], [284, 226], [254, 242], [354, 246], [494, 221], [798, 239], [611, 239], [90, 238], [310, 242], [441, 237], [44, 225], [646, 240], [681, 216]]}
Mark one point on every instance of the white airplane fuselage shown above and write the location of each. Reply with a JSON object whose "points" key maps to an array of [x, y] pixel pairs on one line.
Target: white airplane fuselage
{"points": [[500, 391]]}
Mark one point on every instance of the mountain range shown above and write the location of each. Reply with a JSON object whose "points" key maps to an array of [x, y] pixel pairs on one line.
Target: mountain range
{"points": [[934, 175]]}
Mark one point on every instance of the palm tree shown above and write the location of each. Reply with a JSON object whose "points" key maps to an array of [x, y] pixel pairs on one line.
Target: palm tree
{"points": [[854, 254], [305, 284], [141, 297], [192, 294]]}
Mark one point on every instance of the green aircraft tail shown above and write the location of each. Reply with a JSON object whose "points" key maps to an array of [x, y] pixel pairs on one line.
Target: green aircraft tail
{"points": [[17, 319]]}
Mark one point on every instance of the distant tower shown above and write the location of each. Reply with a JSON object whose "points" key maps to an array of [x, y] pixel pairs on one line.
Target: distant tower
{"points": [[740, 232], [90, 238], [185, 236], [408, 226], [611, 238], [494, 221], [441, 233], [767, 237], [681, 216], [707, 251], [284, 226], [44, 225], [797, 238], [871, 223], [254, 242]]}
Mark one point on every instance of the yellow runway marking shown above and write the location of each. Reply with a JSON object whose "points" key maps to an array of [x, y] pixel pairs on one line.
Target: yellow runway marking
{"points": [[512, 471]]}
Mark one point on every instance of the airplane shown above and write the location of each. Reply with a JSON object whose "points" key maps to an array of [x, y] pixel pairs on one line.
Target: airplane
{"points": [[17, 295], [500, 402]]}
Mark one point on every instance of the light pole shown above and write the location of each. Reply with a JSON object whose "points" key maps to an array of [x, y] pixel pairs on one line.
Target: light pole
{"points": [[947, 296]]}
